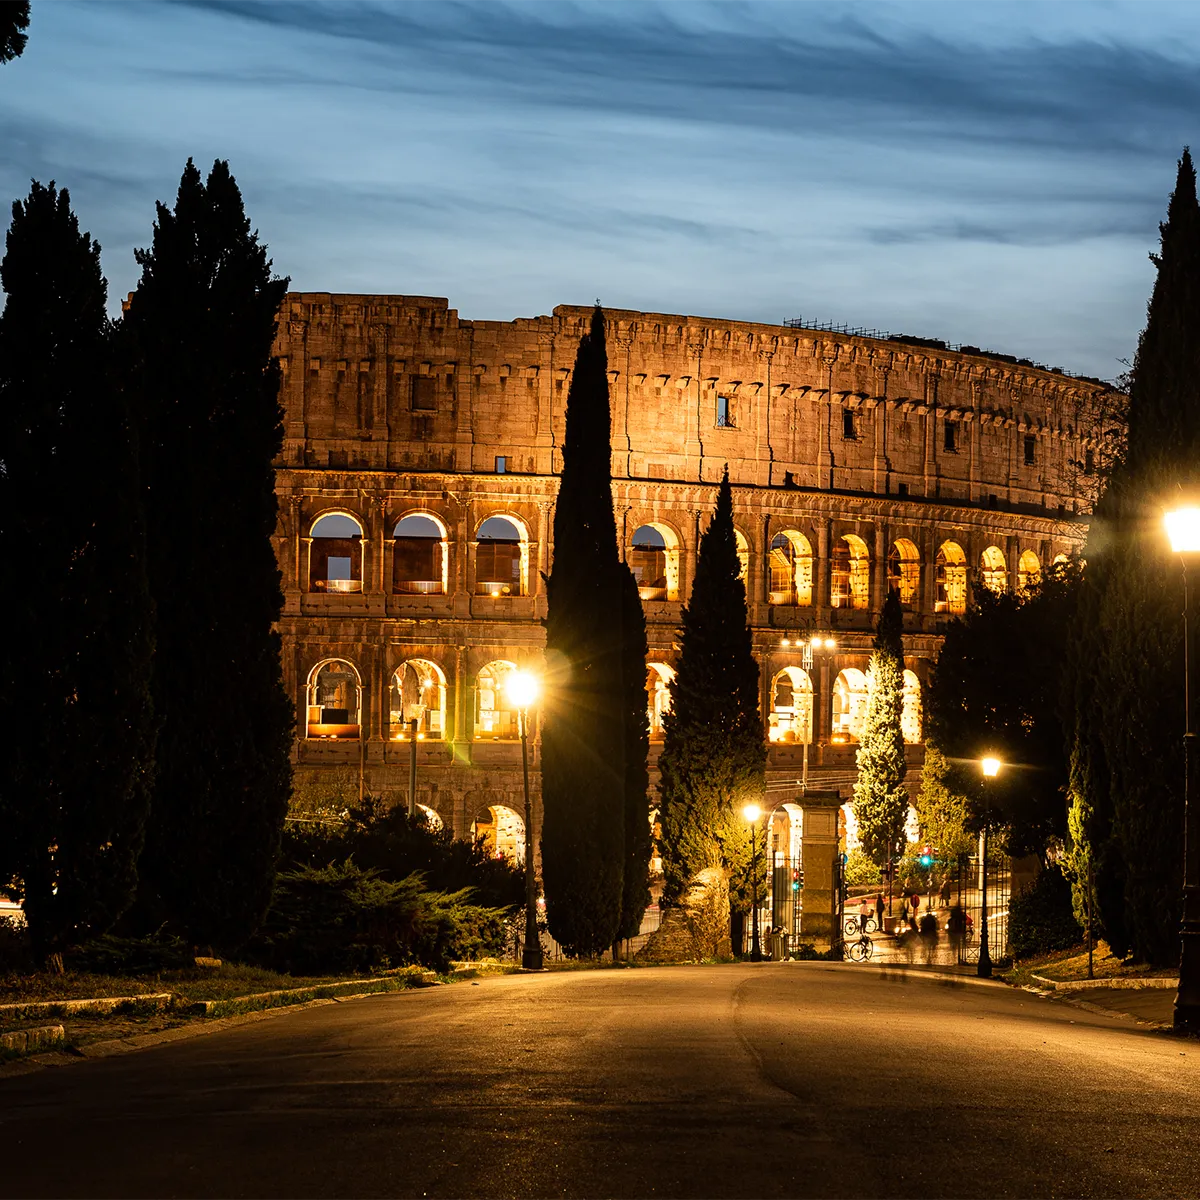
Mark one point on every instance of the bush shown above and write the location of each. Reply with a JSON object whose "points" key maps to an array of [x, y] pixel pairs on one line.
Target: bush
{"points": [[16, 954], [112, 955], [861, 871], [346, 918], [1040, 917]]}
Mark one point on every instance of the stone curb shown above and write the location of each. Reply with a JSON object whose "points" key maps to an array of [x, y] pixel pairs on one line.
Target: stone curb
{"points": [[27, 1040], [291, 997], [904, 971], [100, 1004], [1075, 985]]}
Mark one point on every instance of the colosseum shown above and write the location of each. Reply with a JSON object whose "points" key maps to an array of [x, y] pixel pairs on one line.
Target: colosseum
{"points": [[417, 485]]}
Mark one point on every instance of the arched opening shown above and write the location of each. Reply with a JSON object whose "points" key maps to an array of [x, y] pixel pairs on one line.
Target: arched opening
{"points": [[850, 573], [791, 562], [658, 696], [335, 557], [334, 700], [993, 569], [910, 712], [432, 817], [654, 560], [786, 832], [950, 580], [849, 706], [502, 831], [904, 571], [501, 551], [1029, 570], [417, 693], [743, 553], [495, 719], [791, 716], [419, 558]]}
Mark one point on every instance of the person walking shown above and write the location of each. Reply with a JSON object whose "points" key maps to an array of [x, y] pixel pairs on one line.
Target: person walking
{"points": [[879, 909], [945, 892]]}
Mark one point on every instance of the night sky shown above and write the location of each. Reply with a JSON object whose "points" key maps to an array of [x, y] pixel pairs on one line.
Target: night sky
{"points": [[984, 173]]}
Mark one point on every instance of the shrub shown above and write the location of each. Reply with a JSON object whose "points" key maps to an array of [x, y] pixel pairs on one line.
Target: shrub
{"points": [[113, 955], [1040, 917], [16, 954], [861, 871]]}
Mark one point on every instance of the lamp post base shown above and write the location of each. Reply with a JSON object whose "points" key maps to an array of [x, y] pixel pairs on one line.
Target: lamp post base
{"points": [[531, 957]]}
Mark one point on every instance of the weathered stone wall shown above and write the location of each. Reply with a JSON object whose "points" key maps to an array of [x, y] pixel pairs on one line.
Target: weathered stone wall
{"points": [[395, 406]]}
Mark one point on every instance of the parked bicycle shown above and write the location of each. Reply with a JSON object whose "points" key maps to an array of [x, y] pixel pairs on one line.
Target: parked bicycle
{"points": [[852, 926], [860, 950]]}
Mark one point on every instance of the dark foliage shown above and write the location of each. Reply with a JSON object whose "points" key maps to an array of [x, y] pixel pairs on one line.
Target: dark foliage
{"points": [[1127, 759], [395, 845], [713, 760], [1040, 919], [638, 836], [199, 332], [583, 737], [997, 689], [74, 781], [112, 955], [14, 20], [341, 917]]}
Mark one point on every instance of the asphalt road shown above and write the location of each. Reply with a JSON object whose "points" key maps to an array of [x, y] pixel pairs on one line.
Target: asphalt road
{"points": [[797, 1079]]}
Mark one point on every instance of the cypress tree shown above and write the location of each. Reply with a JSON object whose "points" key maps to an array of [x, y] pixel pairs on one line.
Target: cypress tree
{"points": [[200, 329], [584, 725], [713, 759], [14, 20], [880, 798], [74, 781], [638, 840], [1127, 757]]}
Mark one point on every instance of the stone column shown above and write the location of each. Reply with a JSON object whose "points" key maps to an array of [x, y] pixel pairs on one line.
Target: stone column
{"points": [[879, 584], [821, 583], [305, 563], [818, 847]]}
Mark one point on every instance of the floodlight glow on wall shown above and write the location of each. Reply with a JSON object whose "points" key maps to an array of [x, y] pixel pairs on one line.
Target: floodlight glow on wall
{"points": [[1183, 529]]}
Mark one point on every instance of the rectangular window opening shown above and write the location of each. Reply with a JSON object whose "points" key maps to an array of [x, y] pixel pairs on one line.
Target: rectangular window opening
{"points": [[1030, 450], [725, 412], [950, 436], [902, 489], [501, 464], [424, 398], [1089, 462], [848, 430]]}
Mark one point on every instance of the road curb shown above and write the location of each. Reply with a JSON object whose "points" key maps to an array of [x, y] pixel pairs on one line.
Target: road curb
{"points": [[1077, 985]]}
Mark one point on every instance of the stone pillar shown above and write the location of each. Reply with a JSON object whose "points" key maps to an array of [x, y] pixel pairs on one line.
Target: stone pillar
{"points": [[879, 583], [818, 847], [305, 563], [821, 582]]}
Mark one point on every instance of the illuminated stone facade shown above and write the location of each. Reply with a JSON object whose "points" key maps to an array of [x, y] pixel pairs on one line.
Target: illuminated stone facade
{"points": [[857, 464]]}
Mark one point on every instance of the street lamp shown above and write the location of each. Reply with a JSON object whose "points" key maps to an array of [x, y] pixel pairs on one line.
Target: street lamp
{"points": [[1183, 530], [522, 689], [991, 768], [752, 812]]}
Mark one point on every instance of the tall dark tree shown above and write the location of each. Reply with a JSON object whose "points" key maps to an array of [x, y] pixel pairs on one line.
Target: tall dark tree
{"points": [[583, 735], [74, 780], [997, 688], [880, 798], [200, 329], [713, 759], [638, 837], [1127, 768], [14, 20]]}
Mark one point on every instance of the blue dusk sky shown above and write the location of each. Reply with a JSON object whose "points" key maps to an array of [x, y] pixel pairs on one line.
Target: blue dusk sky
{"points": [[986, 173]]}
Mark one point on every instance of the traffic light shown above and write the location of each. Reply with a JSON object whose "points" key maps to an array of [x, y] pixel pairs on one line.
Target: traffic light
{"points": [[926, 859], [797, 879]]}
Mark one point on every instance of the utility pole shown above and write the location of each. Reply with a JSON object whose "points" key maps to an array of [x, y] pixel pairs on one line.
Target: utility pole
{"points": [[412, 767]]}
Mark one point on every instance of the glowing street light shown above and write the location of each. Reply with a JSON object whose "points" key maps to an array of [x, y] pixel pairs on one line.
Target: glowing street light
{"points": [[1183, 532], [752, 812], [522, 690], [991, 768]]}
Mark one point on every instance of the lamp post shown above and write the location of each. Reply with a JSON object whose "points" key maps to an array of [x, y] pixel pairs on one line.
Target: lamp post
{"points": [[412, 767], [991, 768], [752, 812], [522, 689], [1183, 530]]}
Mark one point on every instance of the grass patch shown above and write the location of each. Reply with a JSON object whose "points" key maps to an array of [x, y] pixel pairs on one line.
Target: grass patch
{"points": [[1068, 966]]}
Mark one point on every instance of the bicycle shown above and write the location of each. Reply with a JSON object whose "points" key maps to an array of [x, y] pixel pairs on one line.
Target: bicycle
{"points": [[860, 950], [856, 925]]}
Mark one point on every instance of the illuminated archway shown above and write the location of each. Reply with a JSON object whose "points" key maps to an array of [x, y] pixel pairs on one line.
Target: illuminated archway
{"points": [[335, 554], [743, 553], [849, 705], [791, 566], [502, 831], [904, 571], [910, 713], [417, 693], [950, 580], [791, 716], [1029, 570], [653, 558], [334, 700], [850, 573], [419, 556], [658, 696], [495, 720], [993, 572], [432, 816], [501, 557]]}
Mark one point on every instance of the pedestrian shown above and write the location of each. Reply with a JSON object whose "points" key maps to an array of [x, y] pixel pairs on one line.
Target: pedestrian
{"points": [[946, 892], [879, 909]]}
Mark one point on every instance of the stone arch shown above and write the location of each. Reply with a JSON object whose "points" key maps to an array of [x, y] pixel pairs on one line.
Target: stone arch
{"points": [[659, 677], [904, 571], [786, 831], [849, 705], [333, 699], [1029, 570], [495, 719], [910, 712], [791, 716], [502, 831], [653, 557], [950, 579], [790, 562], [335, 562], [419, 557], [431, 815], [417, 693], [501, 556], [743, 553], [850, 573], [993, 569]]}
